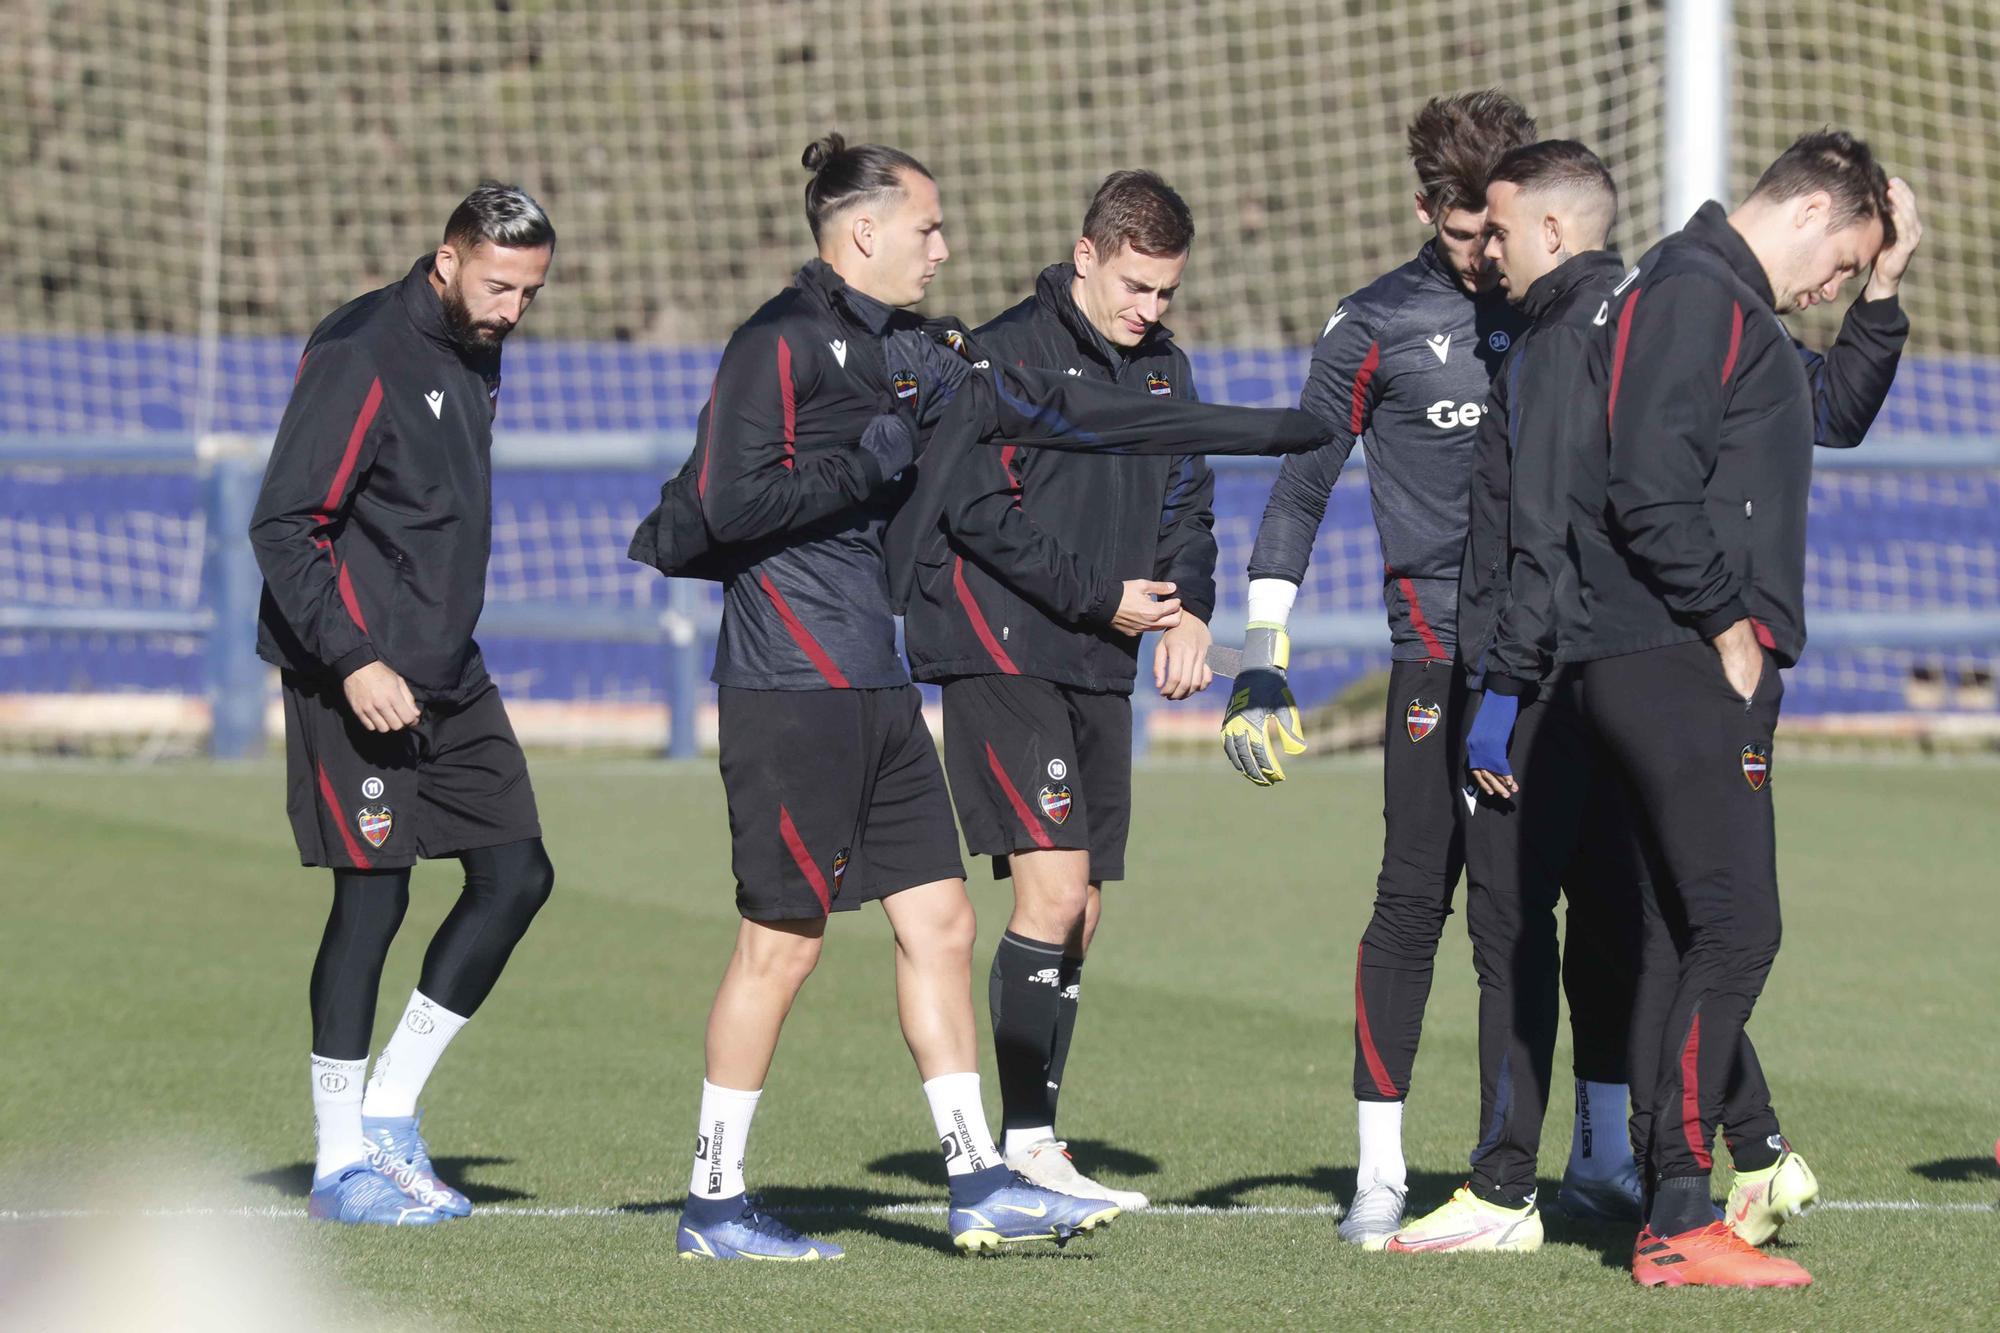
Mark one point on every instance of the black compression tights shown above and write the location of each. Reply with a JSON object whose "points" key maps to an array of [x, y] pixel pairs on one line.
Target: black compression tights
{"points": [[504, 887]]}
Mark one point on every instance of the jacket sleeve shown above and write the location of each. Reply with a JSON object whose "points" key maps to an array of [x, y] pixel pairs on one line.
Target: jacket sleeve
{"points": [[757, 484], [984, 518], [1554, 410], [325, 444], [1342, 388], [1851, 381], [1186, 553], [1483, 568], [1665, 414]]}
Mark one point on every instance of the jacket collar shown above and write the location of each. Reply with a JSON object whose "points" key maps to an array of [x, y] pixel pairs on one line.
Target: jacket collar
{"points": [[426, 311], [1055, 292], [867, 312], [1549, 290], [1438, 269], [1710, 229]]}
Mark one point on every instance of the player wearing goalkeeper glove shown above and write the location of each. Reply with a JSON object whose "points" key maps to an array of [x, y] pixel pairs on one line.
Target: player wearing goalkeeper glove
{"points": [[1031, 597], [373, 530], [1404, 362], [1545, 823], [1687, 547]]}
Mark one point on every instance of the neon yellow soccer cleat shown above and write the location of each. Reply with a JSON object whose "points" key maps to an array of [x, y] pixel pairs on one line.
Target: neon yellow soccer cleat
{"points": [[1469, 1224], [1761, 1201]]}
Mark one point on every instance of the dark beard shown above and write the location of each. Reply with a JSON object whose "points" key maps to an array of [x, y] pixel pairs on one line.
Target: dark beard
{"points": [[479, 339]]}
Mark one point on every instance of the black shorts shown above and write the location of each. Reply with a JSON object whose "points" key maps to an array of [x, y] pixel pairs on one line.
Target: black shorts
{"points": [[366, 800], [1038, 765], [836, 799]]}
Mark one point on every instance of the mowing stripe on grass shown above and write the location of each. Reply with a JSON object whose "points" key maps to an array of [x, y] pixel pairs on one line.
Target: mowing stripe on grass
{"points": [[885, 1210]]}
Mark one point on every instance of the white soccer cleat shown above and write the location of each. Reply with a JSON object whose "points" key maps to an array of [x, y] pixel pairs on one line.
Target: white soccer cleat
{"points": [[1375, 1215], [1048, 1164]]}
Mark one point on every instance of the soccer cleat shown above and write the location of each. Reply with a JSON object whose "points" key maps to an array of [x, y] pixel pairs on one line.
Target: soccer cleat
{"points": [[1048, 1164], [359, 1195], [1021, 1211], [1375, 1215], [1761, 1201], [1602, 1198], [1713, 1256], [739, 1228], [398, 1152], [1467, 1223]]}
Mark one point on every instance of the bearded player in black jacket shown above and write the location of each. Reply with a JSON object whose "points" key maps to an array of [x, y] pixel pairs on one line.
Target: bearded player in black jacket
{"points": [[1032, 595], [372, 530]]}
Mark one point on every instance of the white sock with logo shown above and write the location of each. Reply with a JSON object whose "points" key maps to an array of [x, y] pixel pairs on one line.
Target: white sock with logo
{"points": [[1600, 1143], [1015, 1141], [405, 1064], [961, 1123], [1381, 1146], [336, 1093], [719, 1139]]}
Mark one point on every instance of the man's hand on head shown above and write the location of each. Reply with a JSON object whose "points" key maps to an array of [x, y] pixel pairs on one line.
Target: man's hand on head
{"points": [[1886, 278]]}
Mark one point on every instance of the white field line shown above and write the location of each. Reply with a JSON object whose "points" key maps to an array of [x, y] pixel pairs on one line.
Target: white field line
{"points": [[883, 1210]]}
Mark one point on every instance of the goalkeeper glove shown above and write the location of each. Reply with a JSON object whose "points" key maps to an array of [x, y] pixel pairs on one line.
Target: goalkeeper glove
{"points": [[1492, 730], [1261, 707]]}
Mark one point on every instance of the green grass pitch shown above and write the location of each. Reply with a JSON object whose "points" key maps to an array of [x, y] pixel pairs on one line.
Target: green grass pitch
{"points": [[159, 934]]}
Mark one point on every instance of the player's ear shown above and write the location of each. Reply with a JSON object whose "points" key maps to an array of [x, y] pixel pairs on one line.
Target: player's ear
{"points": [[1811, 208], [446, 264], [1424, 214], [1084, 256], [864, 234], [1552, 233]]}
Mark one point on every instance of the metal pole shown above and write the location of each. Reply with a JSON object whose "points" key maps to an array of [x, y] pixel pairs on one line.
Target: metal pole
{"points": [[236, 678], [1699, 41], [683, 668]]}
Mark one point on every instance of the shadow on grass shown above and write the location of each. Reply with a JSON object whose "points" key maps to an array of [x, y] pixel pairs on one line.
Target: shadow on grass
{"points": [[1956, 1168], [295, 1180], [834, 1210], [1092, 1156]]}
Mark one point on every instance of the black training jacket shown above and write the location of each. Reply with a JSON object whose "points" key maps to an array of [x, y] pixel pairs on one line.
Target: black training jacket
{"points": [[1694, 515], [1029, 564], [375, 519], [1405, 361], [1544, 405], [784, 480]]}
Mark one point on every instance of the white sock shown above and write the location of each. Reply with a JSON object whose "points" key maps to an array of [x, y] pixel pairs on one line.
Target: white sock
{"points": [[1271, 600], [719, 1139], [1381, 1146], [1600, 1144], [1020, 1140], [961, 1123], [427, 1027], [336, 1091]]}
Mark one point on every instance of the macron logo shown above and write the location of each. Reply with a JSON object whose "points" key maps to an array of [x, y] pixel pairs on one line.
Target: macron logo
{"points": [[1338, 315], [436, 399], [839, 346], [1440, 343]]}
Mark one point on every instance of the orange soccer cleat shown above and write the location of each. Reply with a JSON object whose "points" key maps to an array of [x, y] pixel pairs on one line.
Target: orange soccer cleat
{"points": [[1713, 1256]]}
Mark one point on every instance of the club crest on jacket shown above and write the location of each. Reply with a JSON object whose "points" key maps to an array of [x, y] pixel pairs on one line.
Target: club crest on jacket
{"points": [[1756, 765]]}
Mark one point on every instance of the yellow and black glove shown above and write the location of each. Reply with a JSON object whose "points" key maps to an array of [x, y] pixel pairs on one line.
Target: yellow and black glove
{"points": [[1262, 707]]}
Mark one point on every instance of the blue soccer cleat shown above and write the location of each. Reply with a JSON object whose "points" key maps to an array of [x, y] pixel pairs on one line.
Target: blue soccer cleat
{"points": [[360, 1195], [398, 1152], [1613, 1199], [1021, 1210], [739, 1228]]}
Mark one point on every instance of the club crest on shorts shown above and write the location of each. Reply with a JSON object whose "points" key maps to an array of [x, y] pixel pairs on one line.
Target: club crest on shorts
{"points": [[1420, 719], [906, 384], [1158, 384], [1756, 765], [376, 821], [1055, 801], [839, 867]]}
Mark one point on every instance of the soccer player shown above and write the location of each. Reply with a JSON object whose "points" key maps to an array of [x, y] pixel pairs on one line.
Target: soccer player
{"points": [[835, 793], [372, 531], [1688, 551], [1552, 828], [1031, 598], [1405, 361]]}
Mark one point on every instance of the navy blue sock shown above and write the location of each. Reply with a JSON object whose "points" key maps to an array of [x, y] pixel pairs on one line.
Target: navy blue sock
{"points": [[707, 1212], [973, 1186]]}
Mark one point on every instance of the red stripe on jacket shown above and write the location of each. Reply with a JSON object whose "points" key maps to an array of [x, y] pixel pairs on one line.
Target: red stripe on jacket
{"points": [[1618, 355], [1735, 339], [1359, 416], [978, 619], [788, 395], [1417, 622], [801, 635], [1015, 799]]}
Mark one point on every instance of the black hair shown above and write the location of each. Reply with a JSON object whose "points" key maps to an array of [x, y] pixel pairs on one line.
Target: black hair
{"points": [[1562, 164], [1840, 164], [1454, 142], [844, 176], [502, 214]]}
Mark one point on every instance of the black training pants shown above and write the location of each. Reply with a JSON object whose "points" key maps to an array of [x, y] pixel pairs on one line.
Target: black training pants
{"points": [[1696, 757], [1568, 830]]}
